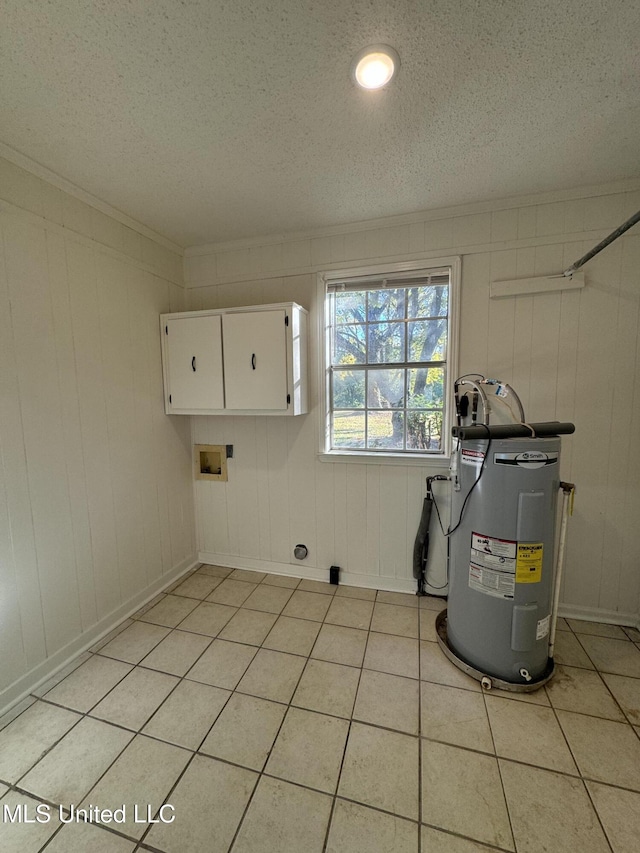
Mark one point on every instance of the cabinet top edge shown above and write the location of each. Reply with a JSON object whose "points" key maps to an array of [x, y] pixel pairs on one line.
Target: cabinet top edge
{"points": [[208, 312]]}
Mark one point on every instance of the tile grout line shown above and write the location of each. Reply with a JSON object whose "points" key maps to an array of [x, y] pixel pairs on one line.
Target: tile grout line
{"points": [[348, 737], [495, 755]]}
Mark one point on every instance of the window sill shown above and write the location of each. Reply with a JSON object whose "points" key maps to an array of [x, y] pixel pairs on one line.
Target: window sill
{"points": [[365, 458]]}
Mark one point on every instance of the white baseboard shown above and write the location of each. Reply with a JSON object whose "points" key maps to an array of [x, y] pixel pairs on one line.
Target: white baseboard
{"points": [[309, 572], [595, 614], [29, 682]]}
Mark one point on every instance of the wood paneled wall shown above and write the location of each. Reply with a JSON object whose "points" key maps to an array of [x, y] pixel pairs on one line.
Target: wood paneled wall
{"points": [[570, 355], [96, 501]]}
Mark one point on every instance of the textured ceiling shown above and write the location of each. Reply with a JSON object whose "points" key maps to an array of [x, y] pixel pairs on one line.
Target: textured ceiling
{"points": [[210, 121]]}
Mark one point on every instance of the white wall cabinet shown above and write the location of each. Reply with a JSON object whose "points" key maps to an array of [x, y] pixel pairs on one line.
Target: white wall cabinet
{"points": [[236, 361]]}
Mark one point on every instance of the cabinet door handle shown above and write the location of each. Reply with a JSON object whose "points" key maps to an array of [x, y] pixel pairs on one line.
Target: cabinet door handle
{"points": [[193, 364], [253, 361]]}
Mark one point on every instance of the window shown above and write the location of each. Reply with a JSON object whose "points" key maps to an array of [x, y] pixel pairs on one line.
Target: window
{"points": [[388, 353]]}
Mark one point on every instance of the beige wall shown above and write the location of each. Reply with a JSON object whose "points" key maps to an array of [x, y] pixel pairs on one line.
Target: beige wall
{"points": [[570, 355], [96, 501]]}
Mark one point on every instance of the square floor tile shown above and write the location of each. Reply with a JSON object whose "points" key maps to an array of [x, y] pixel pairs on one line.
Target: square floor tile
{"points": [[462, 793], [434, 666], [530, 734], [170, 611], [359, 829], [22, 837], [89, 683], [619, 657], [81, 837], [233, 593], [272, 675], [436, 841], [550, 812], [596, 629], [197, 586], [355, 592], [133, 701], [327, 687], [455, 716], [381, 770], [296, 636], [309, 750], [223, 664], [177, 653], [215, 571], [284, 818], [245, 731], [247, 575], [340, 645], [395, 655], [149, 604], [111, 635], [307, 605], [627, 693], [395, 619], [605, 751], [632, 633], [25, 740], [403, 599], [142, 776], [582, 690], [350, 613], [248, 626], [75, 764], [209, 802], [569, 652], [208, 618], [271, 599], [322, 587], [287, 581], [619, 812], [388, 700], [187, 714], [432, 602], [136, 641]]}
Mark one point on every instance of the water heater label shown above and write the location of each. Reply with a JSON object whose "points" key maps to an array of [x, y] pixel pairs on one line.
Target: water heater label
{"points": [[529, 459], [472, 457], [495, 547], [542, 628], [498, 584], [529, 562]]}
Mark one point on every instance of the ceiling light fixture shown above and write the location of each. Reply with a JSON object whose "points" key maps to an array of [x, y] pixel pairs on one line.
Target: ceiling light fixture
{"points": [[374, 67]]}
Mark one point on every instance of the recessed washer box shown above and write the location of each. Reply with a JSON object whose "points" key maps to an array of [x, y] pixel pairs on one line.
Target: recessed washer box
{"points": [[210, 461]]}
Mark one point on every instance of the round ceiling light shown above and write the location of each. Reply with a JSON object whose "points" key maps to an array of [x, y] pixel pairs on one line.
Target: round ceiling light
{"points": [[374, 66]]}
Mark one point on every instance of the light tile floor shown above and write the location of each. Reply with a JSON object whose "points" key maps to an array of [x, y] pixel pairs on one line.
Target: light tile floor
{"points": [[271, 715]]}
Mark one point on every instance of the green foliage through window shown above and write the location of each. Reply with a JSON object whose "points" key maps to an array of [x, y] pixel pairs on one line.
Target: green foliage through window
{"points": [[388, 366]]}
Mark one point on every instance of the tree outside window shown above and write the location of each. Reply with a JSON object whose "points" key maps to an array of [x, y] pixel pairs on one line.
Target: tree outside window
{"points": [[388, 364]]}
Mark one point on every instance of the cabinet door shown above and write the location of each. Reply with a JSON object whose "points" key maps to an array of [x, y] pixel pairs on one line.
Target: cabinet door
{"points": [[194, 360], [255, 360]]}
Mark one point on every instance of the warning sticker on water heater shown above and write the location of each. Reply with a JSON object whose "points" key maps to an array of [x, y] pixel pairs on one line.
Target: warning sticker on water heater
{"points": [[498, 584], [472, 457], [529, 562], [492, 567]]}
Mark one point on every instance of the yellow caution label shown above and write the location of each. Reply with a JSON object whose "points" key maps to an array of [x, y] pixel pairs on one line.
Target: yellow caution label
{"points": [[529, 562]]}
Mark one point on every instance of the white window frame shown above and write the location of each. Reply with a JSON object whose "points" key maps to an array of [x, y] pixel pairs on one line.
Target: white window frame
{"points": [[422, 266]]}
